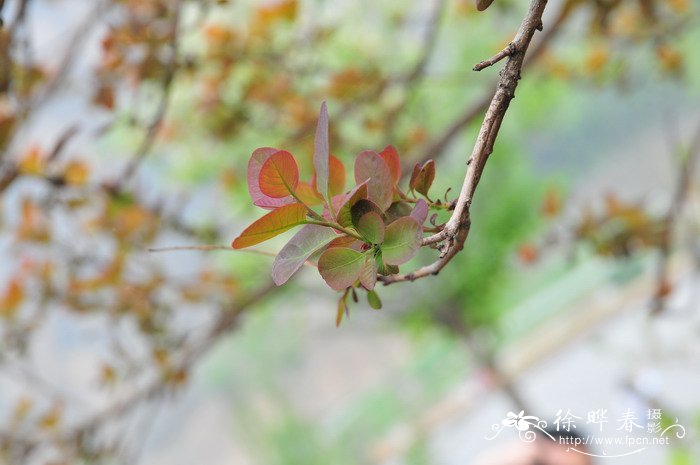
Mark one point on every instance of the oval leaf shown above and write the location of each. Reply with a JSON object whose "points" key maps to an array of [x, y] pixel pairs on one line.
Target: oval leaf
{"points": [[279, 175], [420, 211], [255, 164], [373, 299], [309, 240], [370, 166], [401, 241], [340, 267], [371, 227], [274, 223], [368, 275], [344, 213], [391, 158]]}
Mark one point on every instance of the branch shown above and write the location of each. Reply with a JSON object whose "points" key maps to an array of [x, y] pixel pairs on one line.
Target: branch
{"points": [[456, 230], [685, 176], [149, 138]]}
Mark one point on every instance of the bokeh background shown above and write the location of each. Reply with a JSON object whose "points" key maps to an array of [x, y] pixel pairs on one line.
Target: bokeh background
{"points": [[127, 125]]}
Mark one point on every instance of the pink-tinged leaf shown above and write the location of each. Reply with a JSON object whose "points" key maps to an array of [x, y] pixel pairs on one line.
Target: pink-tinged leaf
{"points": [[402, 240], [274, 223], [308, 195], [391, 158], [420, 211], [423, 177], [309, 240], [340, 267], [336, 176], [255, 164], [337, 201], [279, 175], [321, 153], [371, 227], [344, 215], [368, 275], [346, 241], [370, 166]]}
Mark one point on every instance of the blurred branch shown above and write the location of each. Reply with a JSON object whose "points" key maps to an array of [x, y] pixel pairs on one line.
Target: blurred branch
{"points": [[149, 138], [456, 230], [685, 176]]}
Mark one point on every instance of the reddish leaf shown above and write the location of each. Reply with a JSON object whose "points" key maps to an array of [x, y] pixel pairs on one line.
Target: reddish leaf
{"points": [[255, 164], [336, 176], [371, 227], [340, 267], [391, 158], [344, 214], [346, 241], [420, 211], [321, 153], [370, 166], [274, 223], [423, 177], [401, 241], [310, 239], [279, 175], [308, 195], [368, 274]]}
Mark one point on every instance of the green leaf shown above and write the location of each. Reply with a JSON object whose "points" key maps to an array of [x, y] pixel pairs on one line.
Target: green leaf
{"points": [[369, 166], [340, 267], [274, 223], [373, 299], [344, 214], [371, 227], [368, 275], [401, 241], [309, 240]]}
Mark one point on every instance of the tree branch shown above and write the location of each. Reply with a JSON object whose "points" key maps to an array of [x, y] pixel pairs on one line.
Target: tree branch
{"points": [[456, 230]]}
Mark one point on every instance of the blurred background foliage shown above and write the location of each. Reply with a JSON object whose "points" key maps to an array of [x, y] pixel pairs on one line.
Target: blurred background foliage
{"points": [[127, 125]]}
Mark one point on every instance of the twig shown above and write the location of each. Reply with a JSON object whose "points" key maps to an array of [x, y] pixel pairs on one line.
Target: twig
{"points": [[457, 228], [509, 50], [437, 146]]}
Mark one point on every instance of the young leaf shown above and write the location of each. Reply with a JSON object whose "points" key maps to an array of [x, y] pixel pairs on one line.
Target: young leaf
{"points": [[420, 211], [342, 310], [308, 195], [374, 300], [370, 166], [371, 227], [255, 164], [336, 176], [274, 223], [401, 241], [391, 158], [344, 214], [340, 267], [310, 239], [368, 275], [279, 175], [321, 153], [362, 207], [423, 177]]}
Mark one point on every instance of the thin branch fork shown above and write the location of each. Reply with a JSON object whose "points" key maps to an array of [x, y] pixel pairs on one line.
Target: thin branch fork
{"points": [[456, 230]]}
